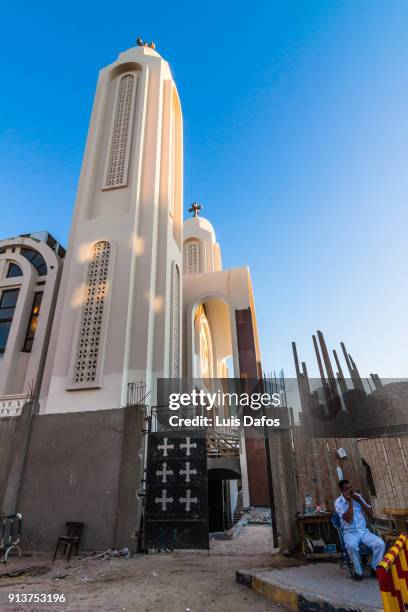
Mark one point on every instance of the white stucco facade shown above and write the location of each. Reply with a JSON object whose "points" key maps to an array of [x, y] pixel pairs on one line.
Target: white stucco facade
{"points": [[220, 292], [213, 298], [125, 243], [138, 295], [30, 269], [142, 295]]}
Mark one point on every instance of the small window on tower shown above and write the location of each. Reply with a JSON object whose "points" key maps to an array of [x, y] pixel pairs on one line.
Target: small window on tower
{"points": [[33, 322], [193, 260]]}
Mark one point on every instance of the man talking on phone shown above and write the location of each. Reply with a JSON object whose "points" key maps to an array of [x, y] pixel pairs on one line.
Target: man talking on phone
{"points": [[352, 509]]}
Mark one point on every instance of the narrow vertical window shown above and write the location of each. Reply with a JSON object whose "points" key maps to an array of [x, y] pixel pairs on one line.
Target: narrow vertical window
{"points": [[193, 259], [91, 328], [33, 322], [172, 164], [175, 324], [116, 172], [8, 301]]}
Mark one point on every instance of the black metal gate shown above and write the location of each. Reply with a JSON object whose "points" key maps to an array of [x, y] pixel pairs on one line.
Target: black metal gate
{"points": [[176, 502]]}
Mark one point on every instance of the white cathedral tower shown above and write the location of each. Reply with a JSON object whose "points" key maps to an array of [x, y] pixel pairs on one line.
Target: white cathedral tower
{"points": [[118, 316]]}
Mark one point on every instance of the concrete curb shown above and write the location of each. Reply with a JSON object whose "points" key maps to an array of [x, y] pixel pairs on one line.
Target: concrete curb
{"points": [[292, 598]]}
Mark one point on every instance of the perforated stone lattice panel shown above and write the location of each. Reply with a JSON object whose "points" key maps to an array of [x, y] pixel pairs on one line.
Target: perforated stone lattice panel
{"points": [[193, 262], [86, 362], [117, 165]]}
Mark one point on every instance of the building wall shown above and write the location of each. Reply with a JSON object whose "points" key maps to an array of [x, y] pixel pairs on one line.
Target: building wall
{"points": [[8, 433], [234, 288], [140, 217], [250, 367], [83, 466], [388, 460], [228, 286], [21, 367]]}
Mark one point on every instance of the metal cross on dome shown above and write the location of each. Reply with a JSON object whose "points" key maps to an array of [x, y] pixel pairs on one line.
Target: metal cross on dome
{"points": [[195, 209]]}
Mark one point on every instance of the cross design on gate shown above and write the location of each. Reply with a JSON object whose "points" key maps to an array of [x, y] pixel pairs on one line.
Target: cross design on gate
{"points": [[164, 472], [188, 445], [187, 471], [165, 446], [163, 500], [188, 500]]}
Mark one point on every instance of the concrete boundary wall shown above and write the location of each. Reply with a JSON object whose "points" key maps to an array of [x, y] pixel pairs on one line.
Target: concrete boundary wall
{"points": [[83, 466], [8, 435]]}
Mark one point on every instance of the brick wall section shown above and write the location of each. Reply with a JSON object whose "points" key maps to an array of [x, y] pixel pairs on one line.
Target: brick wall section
{"points": [[250, 367], [388, 459]]}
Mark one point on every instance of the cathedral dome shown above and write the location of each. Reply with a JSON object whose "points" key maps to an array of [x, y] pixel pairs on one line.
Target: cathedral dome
{"points": [[194, 225], [201, 250]]}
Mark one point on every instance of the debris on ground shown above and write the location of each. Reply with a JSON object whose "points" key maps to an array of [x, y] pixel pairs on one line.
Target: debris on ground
{"points": [[25, 572], [258, 516], [112, 584], [123, 553]]}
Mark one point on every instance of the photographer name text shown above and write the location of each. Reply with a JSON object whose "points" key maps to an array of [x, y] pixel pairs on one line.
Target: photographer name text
{"points": [[207, 421]]}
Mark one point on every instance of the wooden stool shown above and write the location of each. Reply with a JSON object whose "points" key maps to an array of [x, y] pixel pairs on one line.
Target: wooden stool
{"points": [[70, 539]]}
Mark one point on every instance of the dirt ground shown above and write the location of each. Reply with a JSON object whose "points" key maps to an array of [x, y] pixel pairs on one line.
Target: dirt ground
{"points": [[167, 582]]}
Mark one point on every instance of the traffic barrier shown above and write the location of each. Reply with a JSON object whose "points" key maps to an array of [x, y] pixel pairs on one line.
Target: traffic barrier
{"points": [[392, 576]]}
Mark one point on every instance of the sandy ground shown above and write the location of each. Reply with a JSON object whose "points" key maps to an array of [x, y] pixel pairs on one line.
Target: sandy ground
{"points": [[168, 582]]}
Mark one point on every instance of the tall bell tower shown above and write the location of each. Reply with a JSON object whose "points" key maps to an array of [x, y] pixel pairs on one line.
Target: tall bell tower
{"points": [[118, 317]]}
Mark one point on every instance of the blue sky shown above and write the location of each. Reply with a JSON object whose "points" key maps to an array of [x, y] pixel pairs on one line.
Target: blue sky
{"points": [[296, 141]]}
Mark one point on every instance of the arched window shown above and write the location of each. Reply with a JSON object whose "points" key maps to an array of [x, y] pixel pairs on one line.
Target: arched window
{"points": [[121, 134], [175, 323], [193, 258], [14, 270], [36, 259], [91, 328], [206, 353]]}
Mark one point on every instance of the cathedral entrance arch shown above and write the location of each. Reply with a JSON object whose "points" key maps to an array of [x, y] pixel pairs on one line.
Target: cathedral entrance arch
{"points": [[211, 348]]}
